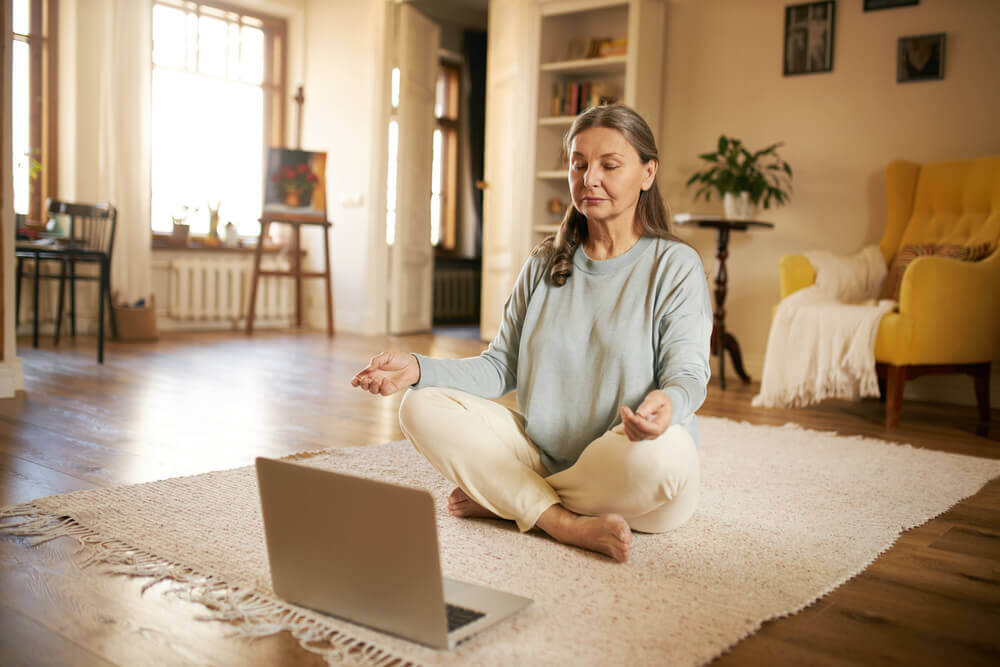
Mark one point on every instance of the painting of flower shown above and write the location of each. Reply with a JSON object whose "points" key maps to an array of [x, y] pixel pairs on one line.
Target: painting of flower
{"points": [[294, 187]]}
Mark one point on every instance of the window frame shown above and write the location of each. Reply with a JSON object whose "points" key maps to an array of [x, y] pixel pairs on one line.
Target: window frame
{"points": [[274, 84], [43, 55], [450, 122]]}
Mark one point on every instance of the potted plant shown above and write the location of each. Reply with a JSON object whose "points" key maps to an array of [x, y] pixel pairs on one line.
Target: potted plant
{"points": [[743, 180]]}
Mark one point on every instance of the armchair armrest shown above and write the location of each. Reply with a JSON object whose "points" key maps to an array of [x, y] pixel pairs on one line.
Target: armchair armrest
{"points": [[955, 308], [795, 273]]}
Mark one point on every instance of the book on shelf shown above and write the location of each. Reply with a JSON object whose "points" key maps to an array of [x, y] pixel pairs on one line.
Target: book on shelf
{"points": [[570, 98]]}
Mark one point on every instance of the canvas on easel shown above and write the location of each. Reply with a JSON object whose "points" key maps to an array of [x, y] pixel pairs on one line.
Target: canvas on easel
{"points": [[295, 185]]}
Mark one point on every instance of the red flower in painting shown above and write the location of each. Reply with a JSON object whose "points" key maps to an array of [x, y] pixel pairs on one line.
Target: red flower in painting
{"points": [[296, 183]]}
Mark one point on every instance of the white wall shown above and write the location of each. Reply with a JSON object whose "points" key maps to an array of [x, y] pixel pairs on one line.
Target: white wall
{"points": [[724, 75], [343, 98]]}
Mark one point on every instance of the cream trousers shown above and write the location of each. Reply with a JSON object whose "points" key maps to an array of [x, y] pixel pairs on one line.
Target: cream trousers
{"points": [[482, 447]]}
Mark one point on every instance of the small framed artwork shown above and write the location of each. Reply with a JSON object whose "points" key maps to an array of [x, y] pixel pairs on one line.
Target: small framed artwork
{"points": [[809, 38], [920, 58], [872, 5], [295, 185]]}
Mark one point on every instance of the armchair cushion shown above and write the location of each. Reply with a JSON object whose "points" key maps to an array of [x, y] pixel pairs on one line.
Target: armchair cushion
{"points": [[890, 289]]}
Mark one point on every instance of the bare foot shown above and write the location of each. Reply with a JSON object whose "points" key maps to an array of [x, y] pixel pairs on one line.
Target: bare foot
{"points": [[461, 505], [608, 534]]}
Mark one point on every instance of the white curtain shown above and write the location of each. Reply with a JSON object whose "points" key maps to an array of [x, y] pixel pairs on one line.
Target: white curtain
{"points": [[124, 156]]}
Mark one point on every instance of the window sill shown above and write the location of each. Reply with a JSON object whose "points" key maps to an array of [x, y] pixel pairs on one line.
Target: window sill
{"points": [[198, 244]]}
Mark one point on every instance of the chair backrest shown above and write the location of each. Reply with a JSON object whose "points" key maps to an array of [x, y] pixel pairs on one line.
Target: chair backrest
{"points": [[955, 202], [92, 226]]}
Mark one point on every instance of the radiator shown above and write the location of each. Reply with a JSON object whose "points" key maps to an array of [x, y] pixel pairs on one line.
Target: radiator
{"points": [[218, 289], [456, 293]]}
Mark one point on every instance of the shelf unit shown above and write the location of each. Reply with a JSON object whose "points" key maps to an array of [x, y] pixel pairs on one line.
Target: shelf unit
{"points": [[634, 78]]}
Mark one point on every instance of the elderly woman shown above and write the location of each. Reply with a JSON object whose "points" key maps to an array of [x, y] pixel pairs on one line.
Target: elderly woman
{"points": [[611, 312]]}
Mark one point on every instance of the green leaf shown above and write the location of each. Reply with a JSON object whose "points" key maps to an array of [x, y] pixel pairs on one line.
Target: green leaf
{"points": [[723, 143]]}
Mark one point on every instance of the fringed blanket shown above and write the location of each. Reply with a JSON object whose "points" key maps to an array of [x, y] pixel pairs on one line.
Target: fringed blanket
{"points": [[822, 340]]}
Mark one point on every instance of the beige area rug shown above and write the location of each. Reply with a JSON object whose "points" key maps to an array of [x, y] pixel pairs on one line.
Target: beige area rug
{"points": [[786, 515]]}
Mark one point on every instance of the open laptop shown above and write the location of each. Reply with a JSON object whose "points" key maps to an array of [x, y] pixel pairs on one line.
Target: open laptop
{"points": [[367, 552]]}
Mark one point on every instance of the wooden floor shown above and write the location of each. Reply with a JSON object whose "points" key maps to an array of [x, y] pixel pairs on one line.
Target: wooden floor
{"points": [[198, 402]]}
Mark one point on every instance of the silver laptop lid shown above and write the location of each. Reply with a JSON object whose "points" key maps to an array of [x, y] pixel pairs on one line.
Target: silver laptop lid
{"points": [[355, 548]]}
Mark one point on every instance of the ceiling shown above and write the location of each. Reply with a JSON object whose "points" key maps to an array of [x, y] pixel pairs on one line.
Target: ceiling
{"points": [[463, 13]]}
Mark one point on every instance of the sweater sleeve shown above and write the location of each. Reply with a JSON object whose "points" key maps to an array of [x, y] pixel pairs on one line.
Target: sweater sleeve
{"points": [[494, 372], [685, 332]]}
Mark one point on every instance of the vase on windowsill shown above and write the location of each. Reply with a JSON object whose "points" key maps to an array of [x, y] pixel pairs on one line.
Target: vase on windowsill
{"points": [[179, 236]]}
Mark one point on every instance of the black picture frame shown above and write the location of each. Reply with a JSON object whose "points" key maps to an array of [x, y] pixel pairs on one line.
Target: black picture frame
{"points": [[876, 5], [809, 38], [920, 58]]}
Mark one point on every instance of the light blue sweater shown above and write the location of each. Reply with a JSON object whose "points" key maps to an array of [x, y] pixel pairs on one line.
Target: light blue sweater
{"points": [[616, 330]]}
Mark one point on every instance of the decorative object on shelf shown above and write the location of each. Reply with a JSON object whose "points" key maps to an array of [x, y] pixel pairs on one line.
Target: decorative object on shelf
{"points": [[232, 239], [612, 47], [809, 38], [743, 180], [606, 46], [920, 58], [556, 208], [872, 5], [295, 185], [213, 220]]}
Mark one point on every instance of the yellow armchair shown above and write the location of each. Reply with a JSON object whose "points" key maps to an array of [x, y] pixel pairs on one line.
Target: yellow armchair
{"points": [[949, 310]]}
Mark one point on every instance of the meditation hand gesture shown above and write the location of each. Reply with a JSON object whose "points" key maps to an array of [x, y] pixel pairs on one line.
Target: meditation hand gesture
{"points": [[651, 419], [387, 373]]}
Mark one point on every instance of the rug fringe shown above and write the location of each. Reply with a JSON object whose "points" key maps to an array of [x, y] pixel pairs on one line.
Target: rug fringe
{"points": [[251, 613]]}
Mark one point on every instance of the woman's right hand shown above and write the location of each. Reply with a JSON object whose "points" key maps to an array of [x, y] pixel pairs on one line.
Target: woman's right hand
{"points": [[387, 373]]}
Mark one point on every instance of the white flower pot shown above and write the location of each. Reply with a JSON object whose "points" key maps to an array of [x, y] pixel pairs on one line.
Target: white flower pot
{"points": [[738, 206]]}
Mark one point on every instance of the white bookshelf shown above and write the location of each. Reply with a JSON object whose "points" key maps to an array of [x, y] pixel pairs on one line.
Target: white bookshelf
{"points": [[635, 78]]}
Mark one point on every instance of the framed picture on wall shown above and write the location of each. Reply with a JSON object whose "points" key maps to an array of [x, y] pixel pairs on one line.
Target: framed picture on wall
{"points": [[872, 5], [809, 38], [920, 58], [295, 185]]}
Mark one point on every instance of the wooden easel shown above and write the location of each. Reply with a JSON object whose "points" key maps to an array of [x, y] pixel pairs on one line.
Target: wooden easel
{"points": [[296, 271]]}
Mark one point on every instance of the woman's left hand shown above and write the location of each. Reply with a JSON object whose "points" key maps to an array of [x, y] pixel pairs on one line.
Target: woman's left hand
{"points": [[651, 419]]}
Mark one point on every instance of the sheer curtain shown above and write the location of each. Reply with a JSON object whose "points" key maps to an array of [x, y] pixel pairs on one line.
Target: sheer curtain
{"points": [[123, 138]]}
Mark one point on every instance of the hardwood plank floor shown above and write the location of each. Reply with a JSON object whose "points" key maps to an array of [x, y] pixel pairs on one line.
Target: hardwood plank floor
{"points": [[198, 402]]}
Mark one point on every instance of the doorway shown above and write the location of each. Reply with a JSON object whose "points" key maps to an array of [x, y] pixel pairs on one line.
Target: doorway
{"points": [[456, 166]]}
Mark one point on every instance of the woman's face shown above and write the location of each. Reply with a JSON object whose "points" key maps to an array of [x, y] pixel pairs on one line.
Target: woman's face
{"points": [[606, 175]]}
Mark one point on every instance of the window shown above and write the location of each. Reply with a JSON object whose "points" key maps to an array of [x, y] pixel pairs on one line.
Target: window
{"points": [[33, 83], [444, 174], [218, 102], [444, 162], [393, 146]]}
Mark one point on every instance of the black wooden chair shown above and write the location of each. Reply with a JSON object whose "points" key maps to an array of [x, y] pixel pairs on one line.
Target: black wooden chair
{"points": [[90, 240]]}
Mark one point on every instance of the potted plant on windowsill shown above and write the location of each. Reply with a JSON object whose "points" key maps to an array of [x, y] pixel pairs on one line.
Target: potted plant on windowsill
{"points": [[743, 180]]}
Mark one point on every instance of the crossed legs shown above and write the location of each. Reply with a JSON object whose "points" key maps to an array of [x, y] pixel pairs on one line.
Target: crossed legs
{"points": [[481, 446]]}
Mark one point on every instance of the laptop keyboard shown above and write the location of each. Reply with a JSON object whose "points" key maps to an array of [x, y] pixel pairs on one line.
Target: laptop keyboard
{"points": [[459, 616]]}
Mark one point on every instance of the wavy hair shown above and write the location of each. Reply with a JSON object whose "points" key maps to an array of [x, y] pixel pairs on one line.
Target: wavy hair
{"points": [[651, 212]]}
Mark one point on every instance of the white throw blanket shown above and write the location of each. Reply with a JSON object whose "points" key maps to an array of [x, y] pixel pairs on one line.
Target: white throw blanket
{"points": [[822, 340]]}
